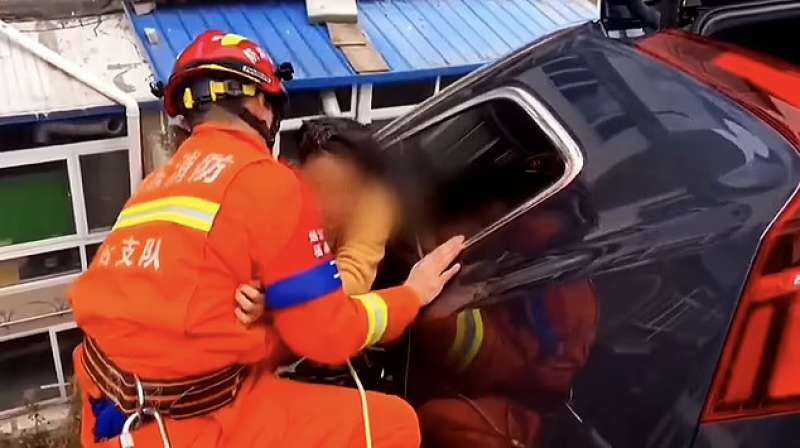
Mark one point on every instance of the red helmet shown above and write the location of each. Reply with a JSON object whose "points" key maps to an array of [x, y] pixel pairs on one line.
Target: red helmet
{"points": [[215, 55]]}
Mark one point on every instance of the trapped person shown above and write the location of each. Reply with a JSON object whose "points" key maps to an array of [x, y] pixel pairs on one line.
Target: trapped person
{"points": [[347, 169], [344, 165], [155, 303]]}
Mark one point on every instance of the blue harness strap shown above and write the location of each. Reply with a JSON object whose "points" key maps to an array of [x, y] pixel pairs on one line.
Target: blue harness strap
{"points": [[109, 419], [539, 317]]}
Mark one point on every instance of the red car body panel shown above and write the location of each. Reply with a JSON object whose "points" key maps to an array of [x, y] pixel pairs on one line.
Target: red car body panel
{"points": [[767, 87]]}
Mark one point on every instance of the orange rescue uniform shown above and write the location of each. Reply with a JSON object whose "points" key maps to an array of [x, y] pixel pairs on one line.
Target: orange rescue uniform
{"points": [[508, 361], [157, 300]]}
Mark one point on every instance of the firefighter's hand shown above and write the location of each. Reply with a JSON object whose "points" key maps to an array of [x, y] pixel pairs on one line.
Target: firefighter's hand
{"points": [[249, 304], [429, 275]]}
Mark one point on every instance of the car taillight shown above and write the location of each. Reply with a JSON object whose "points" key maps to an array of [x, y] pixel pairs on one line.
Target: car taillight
{"points": [[759, 373]]}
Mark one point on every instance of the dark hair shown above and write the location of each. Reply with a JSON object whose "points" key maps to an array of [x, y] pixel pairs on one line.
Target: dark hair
{"points": [[345, 138]]}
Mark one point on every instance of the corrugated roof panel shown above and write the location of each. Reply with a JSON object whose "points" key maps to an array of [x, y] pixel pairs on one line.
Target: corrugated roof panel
{"points": [[417, 38], [104, 44], [496, 18]]}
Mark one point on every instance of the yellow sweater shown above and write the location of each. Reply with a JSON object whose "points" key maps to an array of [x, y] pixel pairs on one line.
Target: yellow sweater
{"points": [[362, 244]]}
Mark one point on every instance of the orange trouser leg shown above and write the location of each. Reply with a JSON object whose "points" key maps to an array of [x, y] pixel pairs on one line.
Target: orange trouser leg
{"points": [[271, 412], [279, 413], [283, 413]]}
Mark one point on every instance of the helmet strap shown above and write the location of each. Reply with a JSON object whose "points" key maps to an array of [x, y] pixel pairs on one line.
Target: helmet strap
{"points": [[205, 92], [268, 131]]}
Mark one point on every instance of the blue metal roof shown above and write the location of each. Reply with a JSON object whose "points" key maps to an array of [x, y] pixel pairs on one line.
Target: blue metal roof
{"points": [[417, 38]]}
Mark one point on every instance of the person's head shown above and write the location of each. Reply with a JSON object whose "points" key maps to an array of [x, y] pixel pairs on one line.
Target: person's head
{"points": [[227, 78], [339, 157]]}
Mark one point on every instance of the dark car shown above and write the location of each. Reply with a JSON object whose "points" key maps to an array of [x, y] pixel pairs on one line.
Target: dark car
{"points": [[633, 258]]}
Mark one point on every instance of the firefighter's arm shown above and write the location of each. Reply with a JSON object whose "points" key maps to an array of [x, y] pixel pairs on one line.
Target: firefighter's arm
{"points": [[311, 312], [454, 341]]}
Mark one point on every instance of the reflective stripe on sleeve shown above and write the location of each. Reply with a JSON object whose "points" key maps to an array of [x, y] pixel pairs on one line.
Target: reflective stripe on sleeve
{"points": [[377, 316], [194, 213], [468, 340], [304, 287]]}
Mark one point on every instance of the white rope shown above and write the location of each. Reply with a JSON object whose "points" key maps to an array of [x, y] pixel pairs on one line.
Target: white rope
{"points": [[362, 393], [364, 409]]}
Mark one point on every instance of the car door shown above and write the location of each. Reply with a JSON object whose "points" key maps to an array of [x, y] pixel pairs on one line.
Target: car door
{"points": [[506, 337], [610, 234]]}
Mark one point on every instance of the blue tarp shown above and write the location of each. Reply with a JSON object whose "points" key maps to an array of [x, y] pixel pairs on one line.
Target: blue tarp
{"points": [[417, 38]]}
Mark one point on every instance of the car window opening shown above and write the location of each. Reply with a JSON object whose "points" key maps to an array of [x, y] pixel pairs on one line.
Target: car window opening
{"points": [[475, 167], [771, 33]]}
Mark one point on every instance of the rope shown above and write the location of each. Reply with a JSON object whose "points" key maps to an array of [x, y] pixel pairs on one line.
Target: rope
{"points": [[364, 409], [514, 442]]}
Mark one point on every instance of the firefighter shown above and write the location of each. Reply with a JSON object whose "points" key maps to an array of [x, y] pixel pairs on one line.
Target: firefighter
{"points": [[541, 336], [163, 356], [344, 164]]}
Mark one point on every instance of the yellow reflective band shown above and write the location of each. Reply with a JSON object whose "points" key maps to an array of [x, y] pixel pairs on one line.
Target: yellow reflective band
{"points": [[189, 202], [377, 316], [187, 211], [229, 70], [458, 342], [468, 340], [249, 89], [231, 40], [475, 343], [173, 217], [188, 99], [215, 88]]}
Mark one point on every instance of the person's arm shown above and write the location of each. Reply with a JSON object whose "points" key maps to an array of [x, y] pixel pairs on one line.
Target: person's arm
{"points": [[310, 310], [363, 241], [250, 304]]}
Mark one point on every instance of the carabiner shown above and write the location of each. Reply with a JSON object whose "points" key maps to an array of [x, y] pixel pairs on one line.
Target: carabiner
{"points": [[126, 438]]}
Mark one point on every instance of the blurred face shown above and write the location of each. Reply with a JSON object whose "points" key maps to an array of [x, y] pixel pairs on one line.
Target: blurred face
{"points": [[338, 183]]}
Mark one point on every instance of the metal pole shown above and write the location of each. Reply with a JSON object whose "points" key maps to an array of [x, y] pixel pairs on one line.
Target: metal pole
{"points": [[62, 389]]}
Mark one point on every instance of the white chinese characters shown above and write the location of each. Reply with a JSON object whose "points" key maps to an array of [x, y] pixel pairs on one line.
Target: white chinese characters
{"points": [[190, 168], [210, 168], [132, 254], [105, 255], [184, 166], [150, 254], [128, 249], [318, 244]]}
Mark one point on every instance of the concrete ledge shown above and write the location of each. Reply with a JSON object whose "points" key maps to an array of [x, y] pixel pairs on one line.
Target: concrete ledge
{"points": [[320, 11]]}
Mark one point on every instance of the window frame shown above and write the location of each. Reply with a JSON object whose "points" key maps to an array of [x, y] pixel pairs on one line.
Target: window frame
{"points": [[390, 112], [330, 107], [82, 237], [70, 154], [62, 383], [556, 132]]}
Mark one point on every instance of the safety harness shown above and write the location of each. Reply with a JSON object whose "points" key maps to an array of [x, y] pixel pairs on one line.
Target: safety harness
{"points": [[139, 399]]}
